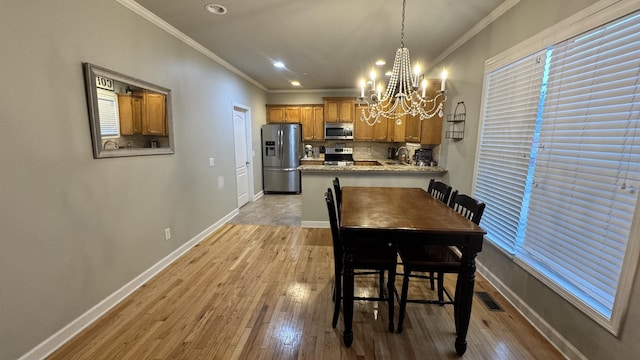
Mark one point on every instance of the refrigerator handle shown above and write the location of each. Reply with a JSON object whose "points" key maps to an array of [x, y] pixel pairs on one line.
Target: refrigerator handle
{"points": [[280, 140]]}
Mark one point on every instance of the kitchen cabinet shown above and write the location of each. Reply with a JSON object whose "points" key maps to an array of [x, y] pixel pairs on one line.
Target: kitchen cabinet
{"points": [[431, 129], [142, 113], [130, 113], [413, 128], [431, 132], [361, 131], [284, 114], [154, 117], [396, 129], [339, 109], [312, 119]]}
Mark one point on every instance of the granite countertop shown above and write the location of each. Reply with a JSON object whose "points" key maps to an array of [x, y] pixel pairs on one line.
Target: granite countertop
{"points": [[386, 166]]}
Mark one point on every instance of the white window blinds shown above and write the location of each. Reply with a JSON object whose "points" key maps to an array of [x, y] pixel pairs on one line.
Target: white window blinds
{"points": [[108, 109], [511, 101], [559, 163], [587, 169]]}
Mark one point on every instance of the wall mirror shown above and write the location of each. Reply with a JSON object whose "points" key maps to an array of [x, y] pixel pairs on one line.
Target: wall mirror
{"points": [[128, 116]]}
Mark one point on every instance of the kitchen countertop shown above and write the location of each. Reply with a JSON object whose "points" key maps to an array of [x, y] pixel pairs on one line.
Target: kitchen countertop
{"points": [[396, 168]]}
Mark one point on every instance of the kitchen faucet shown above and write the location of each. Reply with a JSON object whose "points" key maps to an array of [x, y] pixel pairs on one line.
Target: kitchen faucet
{"points": [[406, 154]]}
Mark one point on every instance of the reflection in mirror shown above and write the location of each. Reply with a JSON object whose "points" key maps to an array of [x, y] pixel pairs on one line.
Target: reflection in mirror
{"points": [[128, 117]]}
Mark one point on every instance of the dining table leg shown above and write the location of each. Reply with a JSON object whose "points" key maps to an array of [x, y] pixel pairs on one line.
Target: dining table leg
{"points": [[348, 295], [464, 299]]}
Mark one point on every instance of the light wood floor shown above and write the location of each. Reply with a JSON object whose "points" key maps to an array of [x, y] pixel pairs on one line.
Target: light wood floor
{"points": [[264, 292]]}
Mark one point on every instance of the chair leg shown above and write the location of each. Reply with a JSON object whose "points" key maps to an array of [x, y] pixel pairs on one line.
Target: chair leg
{"points": [[381, 284], [441, 288], [338, 299], [390, 302], [403, 299], [432, 275]]}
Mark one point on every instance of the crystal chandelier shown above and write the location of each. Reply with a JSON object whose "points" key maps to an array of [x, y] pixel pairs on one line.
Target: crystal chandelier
{"points": [[403, 95]]}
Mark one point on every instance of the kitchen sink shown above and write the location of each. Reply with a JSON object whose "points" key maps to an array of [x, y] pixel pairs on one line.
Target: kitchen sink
{"points": [[367, 163], [395, 163]]}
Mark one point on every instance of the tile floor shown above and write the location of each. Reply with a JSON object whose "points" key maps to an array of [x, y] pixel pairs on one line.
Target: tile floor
{"points": [[272, 209]]}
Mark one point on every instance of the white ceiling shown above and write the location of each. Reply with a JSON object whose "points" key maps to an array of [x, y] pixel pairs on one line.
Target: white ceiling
{"points": [[325, 44]]}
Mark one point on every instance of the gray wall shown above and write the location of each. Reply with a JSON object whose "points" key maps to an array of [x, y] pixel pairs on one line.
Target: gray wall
{"points": [[466, 67], [75, 229]]}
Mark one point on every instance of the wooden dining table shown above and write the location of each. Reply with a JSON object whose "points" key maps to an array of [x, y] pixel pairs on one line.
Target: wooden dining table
{"points": [[391, 214]]}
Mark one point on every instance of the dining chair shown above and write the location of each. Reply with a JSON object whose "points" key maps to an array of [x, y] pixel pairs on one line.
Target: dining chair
{"points": [[338, 192], [440, 191], [371, 257], [439, 259]]}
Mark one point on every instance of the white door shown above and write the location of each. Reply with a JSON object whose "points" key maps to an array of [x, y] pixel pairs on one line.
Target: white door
{"points": [[242, 161]]}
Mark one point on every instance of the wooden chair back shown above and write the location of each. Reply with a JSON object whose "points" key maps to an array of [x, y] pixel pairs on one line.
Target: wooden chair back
{"points": [[338, 191], [439, 190], [335, 230], [467, 206]]}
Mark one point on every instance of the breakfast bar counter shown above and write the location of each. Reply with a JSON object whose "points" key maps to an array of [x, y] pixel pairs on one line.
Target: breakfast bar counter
{"points": [[383, 166], [317, 178]]}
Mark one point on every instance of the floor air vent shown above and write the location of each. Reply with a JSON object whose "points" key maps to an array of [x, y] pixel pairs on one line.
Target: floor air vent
{"points": [[488, 301]]}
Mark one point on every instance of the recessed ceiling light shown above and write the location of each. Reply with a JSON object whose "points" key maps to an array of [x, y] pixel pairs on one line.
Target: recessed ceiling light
{"points": [[380, 62], [278, 64], [388, 73], [295, 83], [216, 9]]}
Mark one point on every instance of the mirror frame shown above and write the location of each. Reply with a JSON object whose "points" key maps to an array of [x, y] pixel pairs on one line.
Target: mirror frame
{"points": [[90, 73]]}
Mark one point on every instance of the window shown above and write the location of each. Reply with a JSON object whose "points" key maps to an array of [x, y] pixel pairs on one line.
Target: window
{"points": [[108, 108], [559, 163]]}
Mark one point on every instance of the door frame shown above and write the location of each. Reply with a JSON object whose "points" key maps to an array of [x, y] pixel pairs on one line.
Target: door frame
{"points": [[248, 141]]}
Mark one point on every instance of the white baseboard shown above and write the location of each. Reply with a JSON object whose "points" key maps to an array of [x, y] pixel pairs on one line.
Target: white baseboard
{"points": [[554, 337], [58, 339], [258, 195], [315, 224]]}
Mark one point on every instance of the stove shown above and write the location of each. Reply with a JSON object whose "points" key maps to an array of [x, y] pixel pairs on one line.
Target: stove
{"points": [[338, 156]]}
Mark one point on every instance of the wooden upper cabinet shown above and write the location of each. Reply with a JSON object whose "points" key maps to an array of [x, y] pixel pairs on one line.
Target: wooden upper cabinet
{"points": [[284, 114], [380, 129], [361, 130], [396, 129], [431, 129], [293, 114], [154, 116], [275, 114], [413, 128], [312, 119], [318, 124], [339, 109], [130, 112]]}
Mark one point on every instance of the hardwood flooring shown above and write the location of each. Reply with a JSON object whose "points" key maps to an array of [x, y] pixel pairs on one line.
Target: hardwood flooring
{"points": [[264, 292]]}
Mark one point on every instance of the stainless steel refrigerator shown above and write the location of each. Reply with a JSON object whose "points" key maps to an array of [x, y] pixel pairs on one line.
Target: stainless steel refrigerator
{"points": [[281, 149]]}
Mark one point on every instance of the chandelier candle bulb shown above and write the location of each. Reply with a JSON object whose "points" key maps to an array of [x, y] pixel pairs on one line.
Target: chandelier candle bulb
{"points": [[416, 73], [362, 88], [444, 80], [424, 88]]}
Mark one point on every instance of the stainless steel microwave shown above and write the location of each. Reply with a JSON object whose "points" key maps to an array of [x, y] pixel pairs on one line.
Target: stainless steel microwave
{"points": [[338, 131]]}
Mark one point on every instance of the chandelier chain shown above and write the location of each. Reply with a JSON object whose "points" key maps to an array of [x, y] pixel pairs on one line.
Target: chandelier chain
{"points": [[404, 3]]}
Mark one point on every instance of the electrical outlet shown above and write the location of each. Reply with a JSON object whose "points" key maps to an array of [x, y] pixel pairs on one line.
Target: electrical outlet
{"points": [[167, 233], [211, 161]]}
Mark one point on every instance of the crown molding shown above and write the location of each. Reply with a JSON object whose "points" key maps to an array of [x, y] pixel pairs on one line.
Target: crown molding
{"points": [[486, 21], [154, 19]]}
